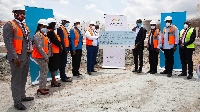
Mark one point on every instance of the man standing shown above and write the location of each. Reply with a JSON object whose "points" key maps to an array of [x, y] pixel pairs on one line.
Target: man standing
{"points": [[140, 33], [169, 43], [187, 37], [76, 47], [17, 40], [64, 36], [153, 48], [92, 47]]}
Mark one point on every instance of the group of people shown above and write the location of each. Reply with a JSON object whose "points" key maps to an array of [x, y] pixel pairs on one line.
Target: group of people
{"points": [[167, 42], [51, 44]]}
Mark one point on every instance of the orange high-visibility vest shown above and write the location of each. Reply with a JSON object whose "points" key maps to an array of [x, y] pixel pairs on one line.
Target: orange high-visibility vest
{"points": [[171, 35], [89, 42], [66, 39], [155, 38], [18, 36], [35, 53], [55, 48], [76, 39]]}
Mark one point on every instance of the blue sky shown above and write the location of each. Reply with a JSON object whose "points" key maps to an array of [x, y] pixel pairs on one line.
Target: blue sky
{"points": [[87, 10]]}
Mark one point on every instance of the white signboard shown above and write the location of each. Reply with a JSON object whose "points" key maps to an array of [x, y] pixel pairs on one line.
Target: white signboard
{"points": [[115, 23]]}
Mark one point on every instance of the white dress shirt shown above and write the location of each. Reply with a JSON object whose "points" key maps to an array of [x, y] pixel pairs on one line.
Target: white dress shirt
{"points": [[137, 31], [94, 37]]}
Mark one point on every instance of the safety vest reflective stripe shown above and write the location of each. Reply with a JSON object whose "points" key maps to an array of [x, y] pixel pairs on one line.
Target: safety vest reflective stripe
{"points": [[45, 43], [66, 39], [76, 38], [187, 37], [155, 38], [89, 42], [18, 37], [171, 35]]}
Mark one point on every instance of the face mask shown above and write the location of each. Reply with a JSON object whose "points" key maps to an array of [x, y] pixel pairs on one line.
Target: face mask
{"points": [[21, 17], [67, 24], [93, 27], [78, 26], [44, 30], [139, 24], [185, 26], [153, 27], [168, 24], [55, 27]]}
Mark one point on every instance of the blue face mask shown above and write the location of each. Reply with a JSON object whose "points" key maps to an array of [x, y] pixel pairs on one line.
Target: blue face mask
{"points": [[67, 24], [44, 30], [139, 24]]}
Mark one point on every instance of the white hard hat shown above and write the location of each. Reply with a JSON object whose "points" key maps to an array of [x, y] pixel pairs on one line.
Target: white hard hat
{"points": [[92, 22], [153, 22], [51, 20], [77, 20], [65, 18], [18, 7], [139, 18], [42, 21], [168, 18]]}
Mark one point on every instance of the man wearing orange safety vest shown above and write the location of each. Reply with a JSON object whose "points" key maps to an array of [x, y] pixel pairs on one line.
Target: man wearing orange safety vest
{"points": [[170, 40], [17, 41], [76, 47], [91, 46], [64, 36], [153, 48]]}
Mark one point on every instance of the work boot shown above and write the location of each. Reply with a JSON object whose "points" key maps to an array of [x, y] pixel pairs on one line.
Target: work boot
{"points": [[182, 74]]}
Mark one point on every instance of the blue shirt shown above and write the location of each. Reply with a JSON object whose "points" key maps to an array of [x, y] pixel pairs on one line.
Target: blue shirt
{"points": [[72, 36]]}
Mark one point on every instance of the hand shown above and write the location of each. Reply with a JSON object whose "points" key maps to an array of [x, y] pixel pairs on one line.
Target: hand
{"points": [[47, 61], [98, 36], [17, 62], [136, 46], [66, 52], [157, 50], [174, 48], [74, 52], [29, 52], [182, 46]]}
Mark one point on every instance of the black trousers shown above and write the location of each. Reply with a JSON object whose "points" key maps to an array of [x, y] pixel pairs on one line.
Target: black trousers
{"points": [[138, 52], [186, 58], [76, 60], [153, 60], [169, 59]]}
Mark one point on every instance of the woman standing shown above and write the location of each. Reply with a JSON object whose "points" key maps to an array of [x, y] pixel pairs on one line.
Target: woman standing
{"points": [[54, 61], [40, 54]]}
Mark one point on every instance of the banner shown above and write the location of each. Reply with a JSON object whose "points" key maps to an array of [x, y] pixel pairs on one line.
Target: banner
{"points": [[178, 18], [33, 14]]}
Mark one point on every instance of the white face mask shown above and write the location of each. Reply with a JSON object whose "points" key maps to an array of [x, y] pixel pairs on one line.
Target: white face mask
{"points": [[78, 26], [93, 27], [185, 26], [168, 24], [153, 27], [44, 30]]}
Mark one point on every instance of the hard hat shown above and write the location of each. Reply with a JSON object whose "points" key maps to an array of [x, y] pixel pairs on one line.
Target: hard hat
{"points": [[153, 22], [139, 18], [77, 20], [92, 22], [18, 7], [42, 21], [168, 18], [51, 20], [64, 18]]}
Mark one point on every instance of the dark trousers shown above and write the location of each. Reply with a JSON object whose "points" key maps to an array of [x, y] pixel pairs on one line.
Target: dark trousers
{"points": [[76, 60], [91, 57], [138, 52], [153, 60], [169, 59], [186, 58], [63, 58]]}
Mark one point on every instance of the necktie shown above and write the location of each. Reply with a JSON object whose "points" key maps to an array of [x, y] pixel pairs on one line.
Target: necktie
{"points": [[183, 36], [28, 43]]}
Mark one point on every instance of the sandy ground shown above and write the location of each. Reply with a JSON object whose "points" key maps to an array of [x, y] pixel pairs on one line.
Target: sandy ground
{"points": [[113, 90]]}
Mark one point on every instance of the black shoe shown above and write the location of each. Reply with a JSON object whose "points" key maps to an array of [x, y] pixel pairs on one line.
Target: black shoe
{"points": [[152, 72], [67, 80], [53, 85], [164, 72], [169, 74], [19, 106], [139, 71], [149, 71], [94, 71], [134, 70], [89, 73], [182, 74], [27, 99], [189, 77]]}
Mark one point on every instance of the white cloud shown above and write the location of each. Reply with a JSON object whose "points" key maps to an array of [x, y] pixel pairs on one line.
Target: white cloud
{"points": [[99, 11], [91, 6], [64, 2]]}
